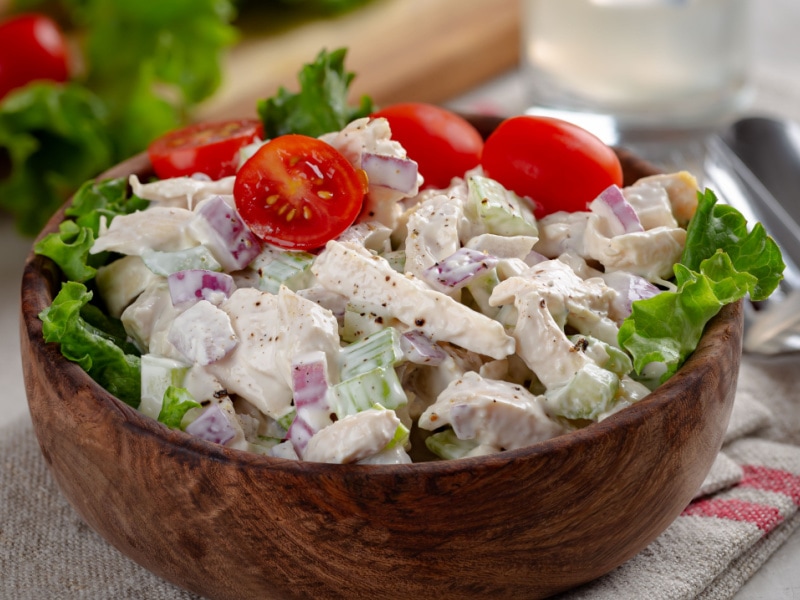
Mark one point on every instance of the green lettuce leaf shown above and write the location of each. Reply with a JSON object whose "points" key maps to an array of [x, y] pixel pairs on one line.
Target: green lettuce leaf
{"points": [[720, 226], [55, 138], [721, 264], [148, 64], [95, 350], [177, 402], [321, 105], [69, 248], [169, 62]]}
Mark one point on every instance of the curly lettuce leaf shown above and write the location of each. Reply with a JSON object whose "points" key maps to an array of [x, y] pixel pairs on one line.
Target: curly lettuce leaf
{"points": [[69, 248], [721, 264], [321, 105], [55, 137], [177, 402], [170, 61], [720, 226], [84, 343]]}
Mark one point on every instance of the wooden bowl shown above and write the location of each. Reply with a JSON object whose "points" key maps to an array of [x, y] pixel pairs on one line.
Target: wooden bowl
{"points": [[522, 524]]}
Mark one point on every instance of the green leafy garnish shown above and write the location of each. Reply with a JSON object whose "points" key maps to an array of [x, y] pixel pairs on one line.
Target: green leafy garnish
{"points": [[321, 105], [69, 248], [95, 350], [147, 65], [721, 263], [55, 138], [177, 402]]}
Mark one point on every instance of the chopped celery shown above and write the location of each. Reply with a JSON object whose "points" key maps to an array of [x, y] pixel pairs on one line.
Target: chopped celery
{"points": [[359, 322], [381, 349], [501, 210], [396, 259], [481, 288], [285, 421], [167, 263], [378, 386], [589, 393], [607, 356], [400, 437], [445, 444], [158, 374], [290, 268]]}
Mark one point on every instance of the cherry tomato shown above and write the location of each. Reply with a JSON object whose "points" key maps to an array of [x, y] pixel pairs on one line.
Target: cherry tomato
{"points": [[298, 192], [558, 165], [210, 148], [32, 47], [443, 144]]}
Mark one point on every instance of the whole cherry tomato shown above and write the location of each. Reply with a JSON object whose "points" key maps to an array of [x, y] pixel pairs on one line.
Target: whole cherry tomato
{"points": [[298, 192], [558, 165], [442, 143], [32, 48], [210, 148]]}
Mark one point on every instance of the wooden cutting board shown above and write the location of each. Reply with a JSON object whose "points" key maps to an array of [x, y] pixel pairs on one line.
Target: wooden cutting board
{"points": [[400, 50]]}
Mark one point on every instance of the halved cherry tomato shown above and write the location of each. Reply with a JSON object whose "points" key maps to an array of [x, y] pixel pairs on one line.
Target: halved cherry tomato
{"points": [[442, 143], [560, 166], [32, 47], [298, 192], [210, 148]]}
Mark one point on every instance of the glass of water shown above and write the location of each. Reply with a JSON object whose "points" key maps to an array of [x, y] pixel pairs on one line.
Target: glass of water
{"points": [[644, 63]]}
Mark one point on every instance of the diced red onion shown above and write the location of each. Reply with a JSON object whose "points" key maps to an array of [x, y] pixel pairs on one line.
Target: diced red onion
{"points": [[310, 389], [630, 288], [462, 419], [420, 349], [458, 269], [237, 244], [612, 206], [193, 285], [212, 425], [390, 171], [534, 258]]}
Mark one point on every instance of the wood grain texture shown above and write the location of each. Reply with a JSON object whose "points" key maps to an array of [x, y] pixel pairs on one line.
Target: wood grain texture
{"points": [[401, 50], [230, 525]]}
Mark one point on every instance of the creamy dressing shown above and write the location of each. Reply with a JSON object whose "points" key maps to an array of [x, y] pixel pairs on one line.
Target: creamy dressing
{"points": [[500, 351]]}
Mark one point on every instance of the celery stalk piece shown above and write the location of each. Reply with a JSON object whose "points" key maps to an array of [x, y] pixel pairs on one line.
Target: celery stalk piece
{"points": [[289, 268], [167, 263], [381, 349], [158, 374], [589, 393], [445, 444], [360, 321], [480, 288], [378, 386], [396, 260], [607, 356], [502, 211]]}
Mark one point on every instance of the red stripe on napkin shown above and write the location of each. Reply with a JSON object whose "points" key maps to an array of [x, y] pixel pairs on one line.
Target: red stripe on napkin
{"points": [[772, 480], [764, 517]]}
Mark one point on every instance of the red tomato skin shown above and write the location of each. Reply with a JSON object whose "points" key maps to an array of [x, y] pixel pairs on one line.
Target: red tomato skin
{"points": [[443, 144], [210, 148], [298, 192], [32, 48], [558, 165]]}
